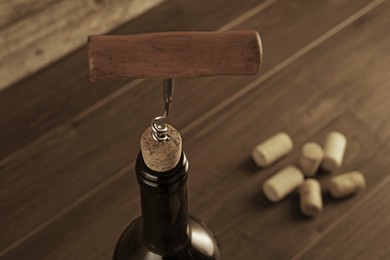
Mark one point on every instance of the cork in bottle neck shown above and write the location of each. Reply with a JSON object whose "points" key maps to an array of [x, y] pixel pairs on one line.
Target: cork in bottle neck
{"points": [[161, 156]]}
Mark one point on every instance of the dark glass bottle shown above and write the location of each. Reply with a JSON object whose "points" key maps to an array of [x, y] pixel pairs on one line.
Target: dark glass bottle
{"points": [[165, 231]]}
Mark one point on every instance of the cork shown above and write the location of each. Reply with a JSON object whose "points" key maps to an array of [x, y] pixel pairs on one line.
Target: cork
{"points": [[272, 149], [346, 184], [310, 198], [311, 158], [283, 183], [334, 149], [161, 156]]}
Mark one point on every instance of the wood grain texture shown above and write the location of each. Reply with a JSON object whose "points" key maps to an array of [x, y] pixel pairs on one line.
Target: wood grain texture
{"points": [[13, 11], [71, 78], [238, 212], [94, 147], [30, 44], [257, 224], [174, 55], [364, 233], [97, 223], [27, 119], [378, 118]]}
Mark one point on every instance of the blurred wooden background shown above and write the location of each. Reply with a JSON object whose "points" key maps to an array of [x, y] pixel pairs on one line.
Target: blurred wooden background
{"points": [[34, 33], [67, 147]]}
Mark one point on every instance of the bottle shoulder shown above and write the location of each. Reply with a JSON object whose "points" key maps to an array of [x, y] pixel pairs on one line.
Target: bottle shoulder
{"points": [[202, 244]]}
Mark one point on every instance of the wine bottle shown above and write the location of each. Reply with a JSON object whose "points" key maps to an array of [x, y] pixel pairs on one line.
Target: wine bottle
{"points": [[165, 230]]}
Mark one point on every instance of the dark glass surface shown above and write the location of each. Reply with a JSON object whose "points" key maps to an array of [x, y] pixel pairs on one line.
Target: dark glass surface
{"points": [[165, 231], [201, 244]]}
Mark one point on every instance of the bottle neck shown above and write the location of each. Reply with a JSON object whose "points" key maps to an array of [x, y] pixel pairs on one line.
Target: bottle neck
{"points": [[164, 206]]}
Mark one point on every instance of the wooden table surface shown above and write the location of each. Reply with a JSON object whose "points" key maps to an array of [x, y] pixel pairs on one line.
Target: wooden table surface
{"points": [[67, 147]]}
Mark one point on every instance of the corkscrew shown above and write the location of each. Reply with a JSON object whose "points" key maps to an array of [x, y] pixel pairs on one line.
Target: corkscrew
{"points": [[165, 230], [159, 131], [172, 55]]}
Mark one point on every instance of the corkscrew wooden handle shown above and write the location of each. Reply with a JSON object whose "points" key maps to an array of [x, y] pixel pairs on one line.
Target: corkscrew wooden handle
{"points": [[174, 55]]}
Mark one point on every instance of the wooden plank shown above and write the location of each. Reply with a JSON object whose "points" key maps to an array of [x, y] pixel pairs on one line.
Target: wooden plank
{"points": [[28, 118], [378, 118], [12, 11], [61, 76], [89, 161], [363, 233], [230, 173], [371, 217], [92, 229], [33, 43], [246, 219]]}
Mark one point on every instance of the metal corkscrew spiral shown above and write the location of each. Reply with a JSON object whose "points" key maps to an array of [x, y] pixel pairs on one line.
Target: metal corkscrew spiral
{"points": [[159, 131]]}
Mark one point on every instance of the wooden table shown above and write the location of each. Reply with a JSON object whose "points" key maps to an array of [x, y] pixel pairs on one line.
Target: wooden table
{"points": [[68, 147]]}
